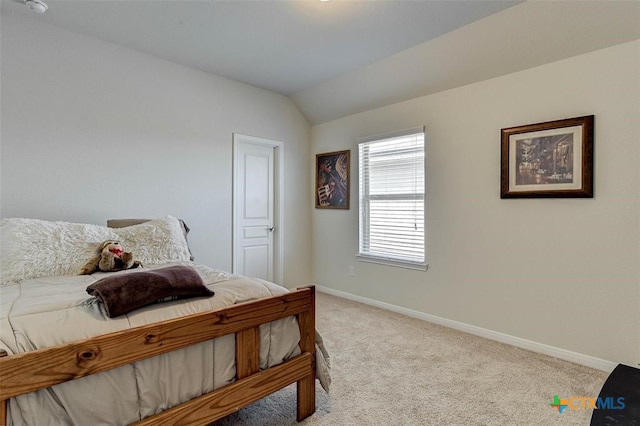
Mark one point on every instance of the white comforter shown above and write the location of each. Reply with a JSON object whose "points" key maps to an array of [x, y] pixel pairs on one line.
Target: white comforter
{"points": [[43, 312]]}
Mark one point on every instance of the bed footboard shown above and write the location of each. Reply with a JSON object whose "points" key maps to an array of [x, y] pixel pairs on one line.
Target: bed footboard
{"points": [[32, 371]]}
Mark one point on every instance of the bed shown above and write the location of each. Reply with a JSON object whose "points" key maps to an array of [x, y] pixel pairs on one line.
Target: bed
{"points": [[184, 361]]}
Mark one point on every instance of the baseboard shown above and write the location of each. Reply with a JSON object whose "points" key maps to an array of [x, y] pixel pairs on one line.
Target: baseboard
{"points": [[578, 358]]}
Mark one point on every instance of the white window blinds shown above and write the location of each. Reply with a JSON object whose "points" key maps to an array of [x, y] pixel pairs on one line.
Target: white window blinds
{"points": [[392, 188]]}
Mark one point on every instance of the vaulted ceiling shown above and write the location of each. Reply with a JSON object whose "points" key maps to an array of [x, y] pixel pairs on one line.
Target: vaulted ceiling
{"points": [[336, 58]]}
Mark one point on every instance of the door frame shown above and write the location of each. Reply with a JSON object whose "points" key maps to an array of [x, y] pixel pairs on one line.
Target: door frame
{"points": [[278, 205]]}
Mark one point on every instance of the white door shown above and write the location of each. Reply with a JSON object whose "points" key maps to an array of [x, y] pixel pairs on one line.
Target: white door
{"points": [[256, 231]]}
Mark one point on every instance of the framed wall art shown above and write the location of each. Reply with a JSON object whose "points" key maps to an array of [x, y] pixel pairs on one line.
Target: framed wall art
{"points": [[548, 160], [332, 180]]}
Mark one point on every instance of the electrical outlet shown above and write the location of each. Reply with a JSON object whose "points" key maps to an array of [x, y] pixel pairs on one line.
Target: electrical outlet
{"points": [[352, 271]]}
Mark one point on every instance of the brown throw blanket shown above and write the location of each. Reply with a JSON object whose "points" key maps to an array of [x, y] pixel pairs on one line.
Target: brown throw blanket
{"points": [[123, 293]]}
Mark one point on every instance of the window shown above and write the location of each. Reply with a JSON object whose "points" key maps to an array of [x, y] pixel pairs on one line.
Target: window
{"points": [[391, 199]]}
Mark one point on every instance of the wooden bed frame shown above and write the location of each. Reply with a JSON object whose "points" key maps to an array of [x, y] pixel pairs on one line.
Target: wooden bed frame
{"points": [[32, 371]]}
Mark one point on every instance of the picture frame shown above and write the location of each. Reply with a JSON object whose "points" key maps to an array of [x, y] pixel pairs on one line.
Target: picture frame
{"points": [[332, 180], [553, 159]]}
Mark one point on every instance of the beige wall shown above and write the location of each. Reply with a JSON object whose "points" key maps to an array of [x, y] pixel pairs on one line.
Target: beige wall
{"points": [[561, 272], [92, 131]]}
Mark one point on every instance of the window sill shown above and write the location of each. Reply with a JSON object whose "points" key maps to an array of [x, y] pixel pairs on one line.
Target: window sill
{"points": [[392, 262]]}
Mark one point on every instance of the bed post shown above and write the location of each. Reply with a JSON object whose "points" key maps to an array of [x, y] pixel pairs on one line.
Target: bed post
{"points": [[307, 385], [4, 402]]}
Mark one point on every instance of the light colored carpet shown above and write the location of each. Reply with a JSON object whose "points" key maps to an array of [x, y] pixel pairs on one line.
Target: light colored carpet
{"points": [[389, 369]]}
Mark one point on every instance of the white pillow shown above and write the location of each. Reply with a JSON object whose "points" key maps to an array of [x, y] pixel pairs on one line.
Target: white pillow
{"points": [[32, 248], [156, 241]]}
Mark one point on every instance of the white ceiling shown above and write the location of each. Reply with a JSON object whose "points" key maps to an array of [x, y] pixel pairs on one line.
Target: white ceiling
{"points": [[340, 57]]}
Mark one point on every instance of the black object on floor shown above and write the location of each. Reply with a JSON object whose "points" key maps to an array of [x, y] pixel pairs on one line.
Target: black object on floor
{"points": [[623, 382]]}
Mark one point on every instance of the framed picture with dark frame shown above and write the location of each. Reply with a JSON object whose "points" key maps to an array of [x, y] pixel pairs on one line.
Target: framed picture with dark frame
{"points": [[332, 180], [548, 160]]}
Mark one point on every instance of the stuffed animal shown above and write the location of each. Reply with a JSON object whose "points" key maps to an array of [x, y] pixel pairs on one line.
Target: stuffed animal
{"points": [[110, 257]]}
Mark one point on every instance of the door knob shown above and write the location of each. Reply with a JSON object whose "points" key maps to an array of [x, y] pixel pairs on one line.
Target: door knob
{"points": [[271, 229]]}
